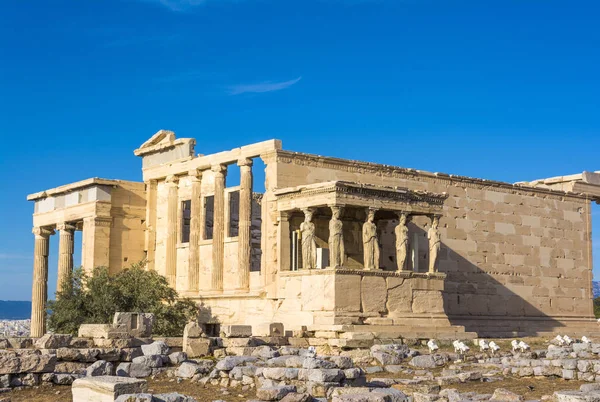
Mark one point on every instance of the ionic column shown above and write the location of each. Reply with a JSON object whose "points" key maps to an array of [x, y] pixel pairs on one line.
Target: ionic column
{"points": [[171, 241], [39, 291], [218, 245], [65, 256], [245, 223], [195, 211]]}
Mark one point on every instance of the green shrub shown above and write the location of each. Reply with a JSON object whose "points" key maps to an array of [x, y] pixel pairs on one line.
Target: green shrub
{"points": [[597, 307], [94, 300]]}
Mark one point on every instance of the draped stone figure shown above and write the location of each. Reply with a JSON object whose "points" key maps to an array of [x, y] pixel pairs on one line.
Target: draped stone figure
{"points": [[435, 243], [370, 243], [309, 245], [336, 239], [401, 242]]}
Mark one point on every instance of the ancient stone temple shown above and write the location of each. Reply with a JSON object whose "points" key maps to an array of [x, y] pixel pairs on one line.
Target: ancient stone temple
{"points": [[332, 243]]}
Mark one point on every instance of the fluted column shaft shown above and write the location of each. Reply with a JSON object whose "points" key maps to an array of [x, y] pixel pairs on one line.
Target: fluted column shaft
{"points": [[218, 246], [245, 223], [171, 241], [194, 256], [65, 256], [39, 292]]}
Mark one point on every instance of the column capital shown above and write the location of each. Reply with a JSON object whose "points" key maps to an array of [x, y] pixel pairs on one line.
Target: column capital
{"points": [[172, 179], [219, 169], [283, 216], [42, 232], [65, 226], [245, 162], [195, 175]]}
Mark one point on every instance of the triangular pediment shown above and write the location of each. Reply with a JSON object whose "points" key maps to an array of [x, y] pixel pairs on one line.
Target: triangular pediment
{"points": [[162, 137]]}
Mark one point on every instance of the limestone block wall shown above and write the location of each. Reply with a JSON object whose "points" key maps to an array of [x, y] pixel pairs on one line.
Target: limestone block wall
{"points": [[508, 251], [128, 212]]}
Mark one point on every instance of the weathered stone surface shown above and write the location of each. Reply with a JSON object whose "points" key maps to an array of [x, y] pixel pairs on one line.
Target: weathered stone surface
{"points": [[230, 362], [137, 370], [197, 347], [134, 324], [123, 370], [504, 395], [234, 331], [152, 361], [26, 361], [188, 369], [105, 388], [100, 368], [275, 393], [386, 358], [172, 397], [135, 398], [192, 330], [53, 341], [155, 348], [295, 397]]}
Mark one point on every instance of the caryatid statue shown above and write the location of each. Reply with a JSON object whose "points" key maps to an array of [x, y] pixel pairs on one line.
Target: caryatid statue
{"points": [[309, 245], [435, 243], [401, 242], [370, 243], [336, 239]]}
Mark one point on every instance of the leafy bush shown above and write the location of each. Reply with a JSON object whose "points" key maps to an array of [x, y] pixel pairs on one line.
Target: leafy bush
{"points": [[597, 307], [94, 300]]}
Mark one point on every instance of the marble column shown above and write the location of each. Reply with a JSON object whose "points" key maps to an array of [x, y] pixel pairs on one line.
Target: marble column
{"points": [[150, 237], [65, 256], [194, 250], [171, 241], [218, 244], [39, 292], [245, 223]]}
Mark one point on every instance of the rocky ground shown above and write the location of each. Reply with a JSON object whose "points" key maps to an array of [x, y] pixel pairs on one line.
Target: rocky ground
{"points": [[382, 373]]}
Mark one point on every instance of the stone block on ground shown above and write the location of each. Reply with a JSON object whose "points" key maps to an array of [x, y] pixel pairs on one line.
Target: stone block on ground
{"points": [[26, 361], [268, 329], [197, 347], [105, 388], [236, 331], [155, 348], [53, 341], [134, 324], [275, 393], [504, 395], [135, 398], [172, 397], [100, 331], [100, 368], [192, 330]]}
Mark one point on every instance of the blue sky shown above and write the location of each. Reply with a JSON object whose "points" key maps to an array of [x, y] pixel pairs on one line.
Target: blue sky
{"points": [[504, 90]]}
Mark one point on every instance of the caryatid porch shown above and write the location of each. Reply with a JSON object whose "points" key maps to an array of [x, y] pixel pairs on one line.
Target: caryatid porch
{"points": [[357, 254]]}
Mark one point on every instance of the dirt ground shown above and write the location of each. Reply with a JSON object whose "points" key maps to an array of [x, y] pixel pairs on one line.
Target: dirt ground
{"points": [[541, 386]]}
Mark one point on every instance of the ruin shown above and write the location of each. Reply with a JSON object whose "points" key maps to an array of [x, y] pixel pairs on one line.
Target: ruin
{"points": [[334, 244]]}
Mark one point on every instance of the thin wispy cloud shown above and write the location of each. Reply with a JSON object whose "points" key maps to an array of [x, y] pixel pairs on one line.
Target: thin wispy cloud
{"points": [[268, 86]]}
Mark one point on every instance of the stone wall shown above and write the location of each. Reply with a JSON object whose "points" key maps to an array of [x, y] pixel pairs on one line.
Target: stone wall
{"points": [[509, 251]]}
